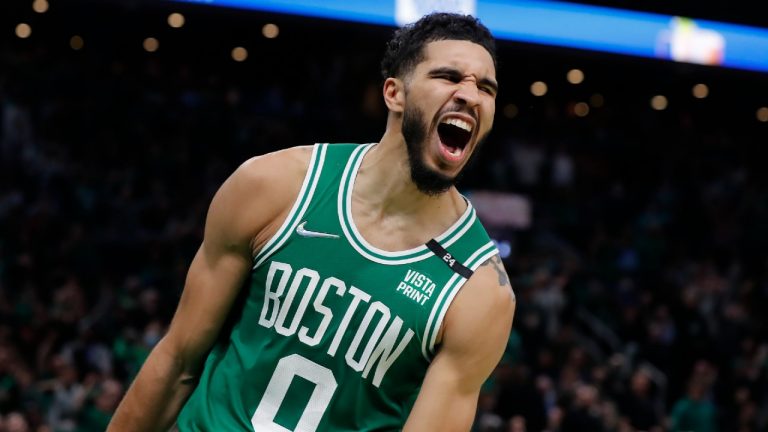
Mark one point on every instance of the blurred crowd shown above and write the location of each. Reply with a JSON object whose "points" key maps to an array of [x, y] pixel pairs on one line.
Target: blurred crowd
{"points": [[639, 284]]}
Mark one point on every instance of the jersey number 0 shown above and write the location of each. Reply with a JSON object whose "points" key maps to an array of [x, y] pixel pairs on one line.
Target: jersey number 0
{"points": [[287, 368]]}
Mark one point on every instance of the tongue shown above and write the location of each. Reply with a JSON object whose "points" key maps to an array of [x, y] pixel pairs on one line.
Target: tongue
{"points": [[450, 152], [451, 148]]}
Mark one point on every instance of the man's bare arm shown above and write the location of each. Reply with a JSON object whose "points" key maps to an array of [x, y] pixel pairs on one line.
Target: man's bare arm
{"points": [[475, 333], [246, 209]]}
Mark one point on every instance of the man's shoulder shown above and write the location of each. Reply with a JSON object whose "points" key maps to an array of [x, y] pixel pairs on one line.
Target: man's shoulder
{"points": [[274, 179], [289, 166], [283, 166], [492, 280], [488, 294], [487, 298], [253, 201], [477, 325]]}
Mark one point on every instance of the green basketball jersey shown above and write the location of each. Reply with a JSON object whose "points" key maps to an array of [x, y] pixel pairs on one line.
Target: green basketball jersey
{"points": [[333, 334]]}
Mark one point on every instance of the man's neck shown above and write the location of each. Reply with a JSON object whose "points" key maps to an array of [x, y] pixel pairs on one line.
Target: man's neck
{"points": [[384, 186]]}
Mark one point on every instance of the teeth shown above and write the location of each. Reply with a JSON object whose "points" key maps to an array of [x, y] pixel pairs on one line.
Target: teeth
{"points": [[455, 152], [459, 123]]}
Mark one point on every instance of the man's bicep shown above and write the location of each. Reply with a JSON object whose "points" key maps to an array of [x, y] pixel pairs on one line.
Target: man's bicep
{"points": [[218, 269], [208, 295], [476, 330]]}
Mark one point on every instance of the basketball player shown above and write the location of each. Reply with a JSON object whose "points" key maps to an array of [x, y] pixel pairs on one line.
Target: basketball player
{"points": [[346, 287]]}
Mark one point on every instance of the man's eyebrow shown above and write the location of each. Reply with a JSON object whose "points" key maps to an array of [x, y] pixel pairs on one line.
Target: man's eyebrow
{"points": [[490, 83], [444, 70], [453, 72]]}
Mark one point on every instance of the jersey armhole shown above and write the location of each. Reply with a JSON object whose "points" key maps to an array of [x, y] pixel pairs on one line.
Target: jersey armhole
{"points": [[447, 294], [299, 207]]}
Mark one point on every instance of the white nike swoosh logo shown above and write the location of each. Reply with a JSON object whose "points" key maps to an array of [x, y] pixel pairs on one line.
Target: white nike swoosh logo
{"points": [[306, 233]]}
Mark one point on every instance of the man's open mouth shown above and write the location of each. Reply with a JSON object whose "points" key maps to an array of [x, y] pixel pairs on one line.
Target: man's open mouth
{"points": [[454, 135]]}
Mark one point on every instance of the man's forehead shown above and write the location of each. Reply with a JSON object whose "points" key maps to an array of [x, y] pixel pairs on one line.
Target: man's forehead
{"points": [[459, 53]]}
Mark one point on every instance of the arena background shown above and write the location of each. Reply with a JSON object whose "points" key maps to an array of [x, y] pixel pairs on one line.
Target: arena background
{"points": [[634, 228]]}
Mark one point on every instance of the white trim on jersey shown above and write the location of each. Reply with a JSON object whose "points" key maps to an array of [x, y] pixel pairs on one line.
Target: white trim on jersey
{"points": [[371, 252], [303, 199]]}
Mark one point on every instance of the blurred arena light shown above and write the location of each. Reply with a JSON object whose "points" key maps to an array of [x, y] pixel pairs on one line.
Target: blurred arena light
{"points": [[510, 111], [539, 88], [700, 91], [176, 20], [23, 30], [659, 102], [76, 42], [502, 209], [40, 6], [270, 31], [505, 248], [597, 100], [581, 109], [151, 44], [558, 23], [239, 54], [575, 76], [762, 114], [408, 11]]}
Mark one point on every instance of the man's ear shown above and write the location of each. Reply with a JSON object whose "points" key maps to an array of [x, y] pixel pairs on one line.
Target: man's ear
{"points": [[394, 94]]}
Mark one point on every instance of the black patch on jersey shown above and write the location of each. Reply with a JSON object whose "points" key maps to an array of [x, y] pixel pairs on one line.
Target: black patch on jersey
{"points": [[448, 259]]}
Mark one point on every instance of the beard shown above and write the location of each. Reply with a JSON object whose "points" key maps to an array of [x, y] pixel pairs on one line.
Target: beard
{"points": [[426, 179]]}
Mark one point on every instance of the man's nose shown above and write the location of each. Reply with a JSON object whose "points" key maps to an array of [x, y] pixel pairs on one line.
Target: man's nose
{"points": [[467, 94]]}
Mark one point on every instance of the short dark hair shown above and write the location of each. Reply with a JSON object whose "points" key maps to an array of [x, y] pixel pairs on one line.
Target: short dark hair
{"points": [[406, 49]]}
